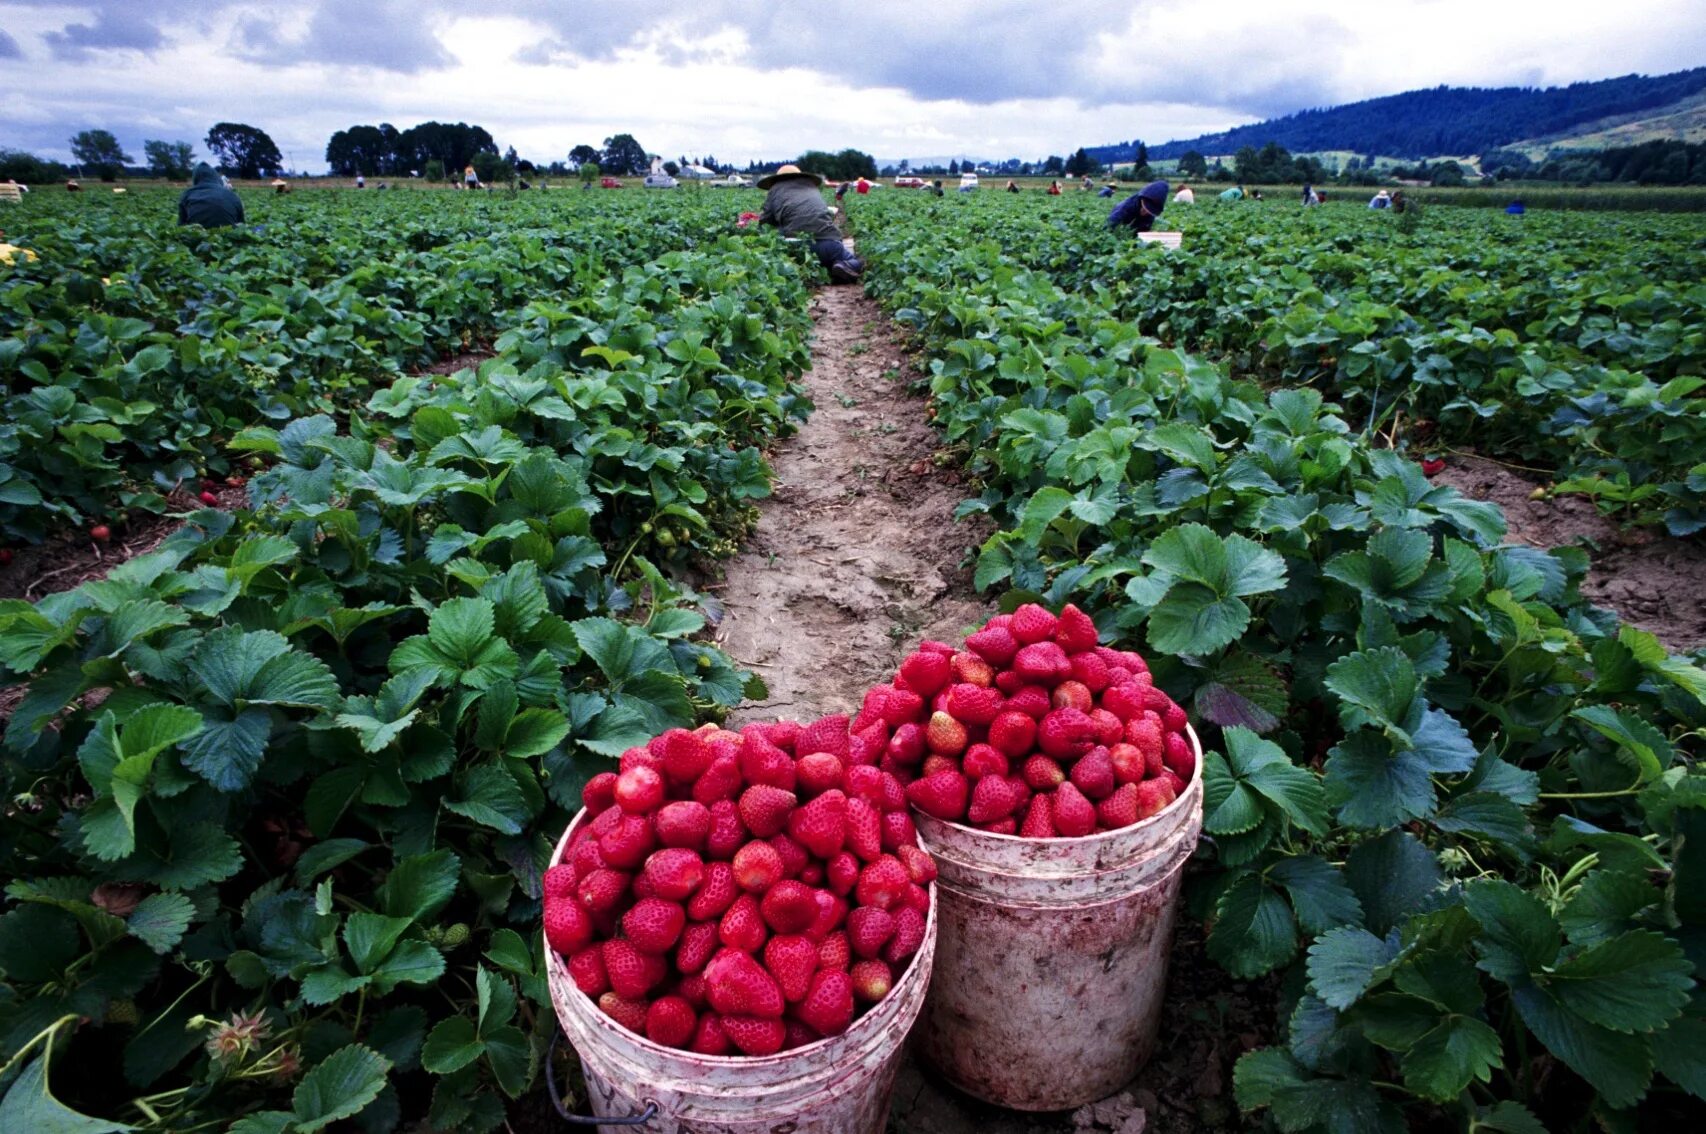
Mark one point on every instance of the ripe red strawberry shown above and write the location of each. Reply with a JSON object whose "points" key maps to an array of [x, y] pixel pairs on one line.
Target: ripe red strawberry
{"points": [[1090, 670], [1109, 728], [994, 644], [1032, 700], [821, 825], [1124, 701], [1144, 734], [738, 985], [984, 760], [763, 763], [1032, 623], [568, 927], [891, 795], [586, 969], [907, 744], [797, 1034], [945, 735], [654, 925], [699, 943], [559, 882], [1012, 732], [683, 824], [675, 873], [920, 867], [1176, 754], [670, 1021], [1094, 774], [1173, 718], [826, 734], [901, 706], [1119, 809], [602, 890], [1007, 826], [757, 867], [818, 772], [742, 926], [882, 884], [709, 1038], [974, 704], [753, 1035], [1153, 796], [1039, 819], [1072, 695], [971, 669], [632, 973], [586, 856], [908, 936], [868, 745], [868, 930], [924, 672], [898, 831], [834, 951], [943, 795], [626, 846], [728, 833], [101, 533], [599, 794], [1066, 734], [1009, 682], [1128, 762], [1075, 631], [843, 873], [685, 756], [831, 915], [864, 827], [765, 809], [631, 1014], [789, 906], [639, 790], [792, 960], [715, 894], [1043, 663], [991, 800], [872, 980], [828, 1006], [722, 780], [1074, 815]]}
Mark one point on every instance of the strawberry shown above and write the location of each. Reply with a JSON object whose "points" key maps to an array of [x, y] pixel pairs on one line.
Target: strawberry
{"points": [[943, 795], [763, 763], [1031, 623], [757, 867], [1012, 732], [627, 846], [1109, 728], [709, 1038], [654, 925], [742, 926], [920, 867], [559, 882], [907, 744], [101, 533], [1039, 819], [764, 809], [1089, 670], [901, 706], [1118, 809], [699, 943], [935, 647], [984, 760], [792, 960], [1066, 734], [796, 1034], [1072, 695], [1009, 682], [1176, 754], [789, 906], [898, 831], [908, 935], [974, 704], [945, 735], [834, 952], [599, 794], [1043, 663], [1074, 631], [1007, 826], [826, 734], [882, 884], [722, 780], [631, 1014], [602, 890], [868, 745], [1094, 773], [1433, 466], [1167, 777], [991, 800], [994, 644], [821, 825], [924, 672], [1032, 700], [828, 1006], [753, 1035], [568, 927], [670, 1021], [864, 830], [872, 980], [727, 834], [586, 969], [831, 915], [639, 790], [1173, 718], [868, 930], [738, 985], [817, 772], [843, 873], [1124, 701], [685, 756], [793, 855], [893, 793], [1153, 796], [1074, 815], [632, 973], [587, 857], [1128, 763], [970, 669], [675, 873]]}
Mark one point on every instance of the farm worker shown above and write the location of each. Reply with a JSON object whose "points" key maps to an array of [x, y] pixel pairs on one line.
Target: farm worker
{"points": [[279, 185], [1185, 196], [1398, 202], [12, 183], [936, 187], [1515, 208], [794, 205], [1088, 184], [1106, 190], [1381, 200], [862, 187], [1310, 197], [1138, 211], [470, 178], [1054, 188], [360, 181], [1012, 186], [208, 202], [1236, 193], [841, 190]]}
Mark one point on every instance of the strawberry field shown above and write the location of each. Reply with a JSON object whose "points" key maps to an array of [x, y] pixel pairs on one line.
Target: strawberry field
{"points": [[280, 794]]}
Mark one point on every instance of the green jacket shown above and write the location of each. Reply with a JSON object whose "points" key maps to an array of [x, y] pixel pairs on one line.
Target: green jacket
{"points": [[795, 206], [207, 202]]}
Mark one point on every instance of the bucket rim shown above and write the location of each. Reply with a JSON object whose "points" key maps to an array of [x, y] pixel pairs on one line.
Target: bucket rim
{"points": [[1082, 840]]}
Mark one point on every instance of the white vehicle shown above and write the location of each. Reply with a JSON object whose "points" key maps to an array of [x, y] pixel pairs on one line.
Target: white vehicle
{"points": [[660, 181], [732, 181], [968, 182]]}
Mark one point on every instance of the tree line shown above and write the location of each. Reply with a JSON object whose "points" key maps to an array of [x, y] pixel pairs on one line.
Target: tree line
{"points": [[236, 148]]}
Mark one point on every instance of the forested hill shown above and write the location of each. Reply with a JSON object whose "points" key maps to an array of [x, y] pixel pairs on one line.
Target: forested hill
{"points": [[1444, 120]]}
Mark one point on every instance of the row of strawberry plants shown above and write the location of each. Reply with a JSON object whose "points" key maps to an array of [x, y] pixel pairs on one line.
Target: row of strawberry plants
{"points": [[132, 349], [1455, 804], [280, 793]]}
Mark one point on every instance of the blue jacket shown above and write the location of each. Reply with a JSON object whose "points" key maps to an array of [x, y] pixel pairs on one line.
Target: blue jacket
{"points": [[1138, 211]]}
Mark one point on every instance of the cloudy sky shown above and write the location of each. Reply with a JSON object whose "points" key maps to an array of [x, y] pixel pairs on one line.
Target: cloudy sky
{"points": [[744, 79]]}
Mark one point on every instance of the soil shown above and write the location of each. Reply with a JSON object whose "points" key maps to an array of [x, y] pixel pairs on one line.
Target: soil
{"points": [[1650, 579]]}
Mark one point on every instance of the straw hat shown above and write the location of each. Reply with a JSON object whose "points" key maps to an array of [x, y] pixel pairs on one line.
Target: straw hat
{"points": [[790, 170]]}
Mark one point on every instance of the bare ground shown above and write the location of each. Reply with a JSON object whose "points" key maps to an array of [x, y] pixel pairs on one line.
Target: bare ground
{"points": [[1650, 579]]}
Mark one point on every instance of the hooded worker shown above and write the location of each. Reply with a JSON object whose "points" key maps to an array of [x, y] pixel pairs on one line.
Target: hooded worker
{"points": [[794, 205], [1138, 211], [208, 202]]}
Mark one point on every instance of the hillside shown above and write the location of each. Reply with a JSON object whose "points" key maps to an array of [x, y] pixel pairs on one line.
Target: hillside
{"points": [[1685, 120], [1448, 120]]}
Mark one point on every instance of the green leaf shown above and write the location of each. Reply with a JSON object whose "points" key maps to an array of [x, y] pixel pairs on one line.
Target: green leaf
{"points": [[1442, 1063], [1381, 683], [1618, 1066], [339, 1086], [451, 1046], [411, 962], [535, 732], [1679, 1053], [1634, 982], [1372, 784], [1639, 745], [420, 886], [1344, 963], [621, 652], [29, 1105], [1518, 934], [491, 797], [1318, 893], [1507, 1117], [461, 629], [160, 921], [1261, 1075], [511, 1058], [1490, 816], [1393, 876], [370, 937], [1606, 904], [1254, 931], [1268, 771], [1192, 620]]}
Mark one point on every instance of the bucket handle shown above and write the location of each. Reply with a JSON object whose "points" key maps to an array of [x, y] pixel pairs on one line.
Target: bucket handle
{"points": [[640, 1119]]}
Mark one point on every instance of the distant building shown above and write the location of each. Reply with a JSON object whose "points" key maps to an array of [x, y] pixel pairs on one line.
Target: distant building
{"points": [[697, 172]]}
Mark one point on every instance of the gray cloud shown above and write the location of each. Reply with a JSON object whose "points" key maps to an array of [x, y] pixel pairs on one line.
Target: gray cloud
{"points": [[387, 35], [115, 29], [9, 48]]}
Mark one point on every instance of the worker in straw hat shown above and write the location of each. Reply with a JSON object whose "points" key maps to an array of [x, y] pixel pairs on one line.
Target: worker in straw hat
{"points": [[795, 206]]}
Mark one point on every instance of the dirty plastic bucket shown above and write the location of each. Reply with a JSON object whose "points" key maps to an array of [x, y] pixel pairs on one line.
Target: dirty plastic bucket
{"points": [[839, 1085], [1053, 954]]}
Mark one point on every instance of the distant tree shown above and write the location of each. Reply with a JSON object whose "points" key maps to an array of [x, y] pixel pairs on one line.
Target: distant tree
{"points": [[359, 150], [452, 144], [525, 167], [672, 168], [1247, 162], [99, 152], [582, 154], [433, 170], [1448, 175], [844, 166], [588, 173], [1054, 164], [624, 155], [1139, 156], [171, 160], [244, 150], [18, 165], [1193, 163], [490, 168], [953, 168]]}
